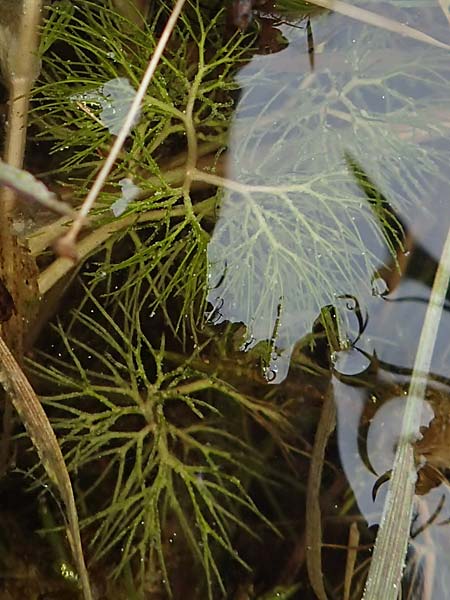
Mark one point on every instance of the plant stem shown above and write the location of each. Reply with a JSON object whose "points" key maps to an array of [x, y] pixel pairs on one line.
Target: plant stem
{"points": [[325, 428], [21, 68], [245, 188], [62, 266], [174, 176], [191, 136], [391, 545]]}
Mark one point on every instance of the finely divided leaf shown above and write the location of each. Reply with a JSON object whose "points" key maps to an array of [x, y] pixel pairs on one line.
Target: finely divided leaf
{"points": [[295, 230]]}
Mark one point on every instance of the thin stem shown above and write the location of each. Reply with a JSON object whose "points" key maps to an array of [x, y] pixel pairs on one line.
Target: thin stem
{"points": [[174, 175], [244, 188], [23, 67], [62, 266], [392, 540], [191, 136]]}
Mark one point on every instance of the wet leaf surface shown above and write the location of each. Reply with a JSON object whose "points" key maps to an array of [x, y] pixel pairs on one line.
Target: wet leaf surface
{"points": [[296, 231]]}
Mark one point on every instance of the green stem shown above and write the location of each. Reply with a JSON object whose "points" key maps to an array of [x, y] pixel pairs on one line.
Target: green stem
{"points": [[61, 266]]}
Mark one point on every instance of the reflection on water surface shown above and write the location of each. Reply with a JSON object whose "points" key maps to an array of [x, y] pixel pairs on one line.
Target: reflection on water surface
{"points": [[299, 231]]}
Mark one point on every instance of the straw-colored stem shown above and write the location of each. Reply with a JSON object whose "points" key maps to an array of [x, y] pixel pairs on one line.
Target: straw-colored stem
{"points": [[392, 540], [21, 69]]}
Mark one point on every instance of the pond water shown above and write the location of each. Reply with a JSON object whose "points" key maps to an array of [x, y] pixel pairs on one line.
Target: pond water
{"points": [[228, 374], [302, 232]]}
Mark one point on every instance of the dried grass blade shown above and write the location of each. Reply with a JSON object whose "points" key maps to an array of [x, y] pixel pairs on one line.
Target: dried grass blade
{"points": [[445, 5], [391, 544], [43, 437], [371, 18], [353, 541], [326, 426]]}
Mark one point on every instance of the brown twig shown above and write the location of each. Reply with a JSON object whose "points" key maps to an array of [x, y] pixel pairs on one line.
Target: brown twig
{"points": [[20, 68], [325, 428]]}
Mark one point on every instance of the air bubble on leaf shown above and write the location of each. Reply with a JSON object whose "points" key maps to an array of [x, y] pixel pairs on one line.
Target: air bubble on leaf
{"points": [[130, 192], [379, 287], [275, 373], [350, 361], [270, 374], [115, 98], [248, 344]]}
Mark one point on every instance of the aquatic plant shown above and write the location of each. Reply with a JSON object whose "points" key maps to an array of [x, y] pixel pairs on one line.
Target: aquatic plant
{"points": [[268, 188], [188, 471], [164, 442], [155, 424]]}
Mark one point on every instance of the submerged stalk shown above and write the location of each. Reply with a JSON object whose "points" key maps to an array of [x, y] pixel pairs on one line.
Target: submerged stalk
{"points": [[389, 556], [20, 66]]}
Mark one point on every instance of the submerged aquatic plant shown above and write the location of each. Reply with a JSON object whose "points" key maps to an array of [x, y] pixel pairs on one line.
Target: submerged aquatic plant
{"points": [[294, 232], [157, 441], [183, 121], [150, 444]]}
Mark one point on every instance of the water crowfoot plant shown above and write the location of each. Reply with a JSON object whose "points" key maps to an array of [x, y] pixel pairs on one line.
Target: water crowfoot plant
{"points": [[255, 201], [162, 442]]}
